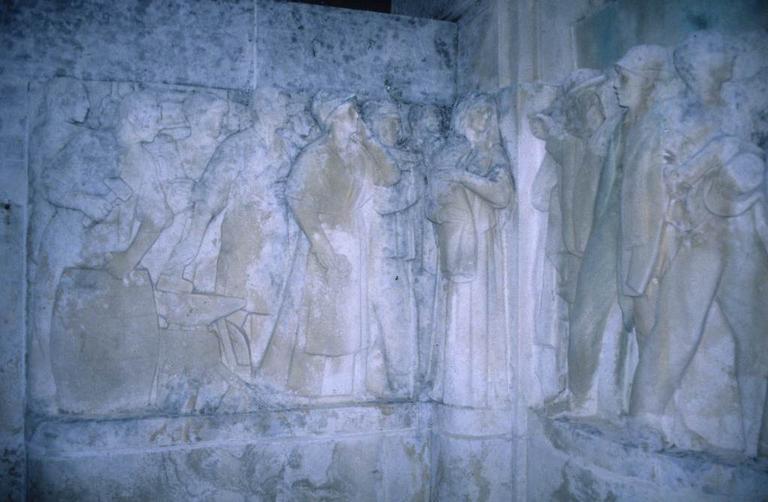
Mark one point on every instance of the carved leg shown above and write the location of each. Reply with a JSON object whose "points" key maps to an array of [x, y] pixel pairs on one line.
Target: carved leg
{"points": [[596, 294], [668, 341], [743, 297]]}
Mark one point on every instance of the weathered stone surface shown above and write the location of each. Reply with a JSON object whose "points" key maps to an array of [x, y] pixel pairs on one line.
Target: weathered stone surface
{"points": [[207, 43], [256, 244], [588, 460], [305, 46], [478, 64], [472, 454], [105, 343], [604, 36], [449, 10], [353, 453], [13, 221], [12, 461]]}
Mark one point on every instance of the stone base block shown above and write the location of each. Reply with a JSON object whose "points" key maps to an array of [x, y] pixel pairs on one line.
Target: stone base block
{"points": [[578, 460], [472, 454], [345, 453]]}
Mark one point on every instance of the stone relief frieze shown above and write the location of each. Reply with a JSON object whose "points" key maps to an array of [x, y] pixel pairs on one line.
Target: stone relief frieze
{"points": [[664, 230], [199, 249]]}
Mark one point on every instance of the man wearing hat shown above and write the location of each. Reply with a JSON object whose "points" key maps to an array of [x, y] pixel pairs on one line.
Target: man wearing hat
{"points": [[327, 191]]}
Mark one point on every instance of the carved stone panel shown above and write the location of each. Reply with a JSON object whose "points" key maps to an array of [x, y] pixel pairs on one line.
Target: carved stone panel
{"points": [[674, 236]]}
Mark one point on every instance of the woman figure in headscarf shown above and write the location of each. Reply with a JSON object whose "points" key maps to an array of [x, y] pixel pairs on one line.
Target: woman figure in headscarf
{"points": [[470, 185]]}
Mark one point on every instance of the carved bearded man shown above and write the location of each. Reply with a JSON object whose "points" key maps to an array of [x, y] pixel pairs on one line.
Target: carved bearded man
{"points": [[328, 191]]}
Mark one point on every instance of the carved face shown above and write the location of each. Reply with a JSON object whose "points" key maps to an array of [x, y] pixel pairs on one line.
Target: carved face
{"points": [[538, 124], [148, 123], [631, 88], [69, 98], [346, 123], [479, 119], [430, 121], [704, 62], [706, 78], [212, 121], [387, 129], [584, 114], [79, 108], [425, 125], [300, 122], [139, 117]]}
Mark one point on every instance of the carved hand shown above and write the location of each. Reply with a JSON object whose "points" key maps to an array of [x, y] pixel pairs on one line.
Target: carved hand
{"points": [[96, 208], [332, 262]]}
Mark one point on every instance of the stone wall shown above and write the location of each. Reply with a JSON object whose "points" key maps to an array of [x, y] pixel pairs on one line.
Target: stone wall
{"points": [[13, 208], [300, 46], [206, 43], [605, 33], [90, 440]]}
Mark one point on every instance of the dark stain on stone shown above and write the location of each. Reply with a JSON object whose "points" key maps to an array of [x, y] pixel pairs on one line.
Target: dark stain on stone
{"points": [[698, 21], [7, 215], [442, 49]]}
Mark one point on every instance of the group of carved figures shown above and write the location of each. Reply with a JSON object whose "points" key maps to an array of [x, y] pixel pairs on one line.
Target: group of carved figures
{"points": [[314, 237], [338, 251], [655, 184]]}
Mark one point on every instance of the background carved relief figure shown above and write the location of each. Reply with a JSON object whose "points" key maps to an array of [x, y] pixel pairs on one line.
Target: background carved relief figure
{"points": [[204, 115], [582, 217], [470, 185], [146, 213], [76, 180], [426, 137], [393, 254], [103, 334], [258, 236], [329, 191]]}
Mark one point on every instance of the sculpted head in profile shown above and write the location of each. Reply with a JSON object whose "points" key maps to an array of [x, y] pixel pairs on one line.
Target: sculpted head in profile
{"points": [[384, 120], [68, 98], [338, 116], [427, 128], [584, 111], [139, 118], [577, 109], [704, 62], [637, 74], [206, 114], [347, 134], [475, 118]]}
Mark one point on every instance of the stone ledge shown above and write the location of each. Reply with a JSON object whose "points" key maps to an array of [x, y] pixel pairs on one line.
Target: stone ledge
{"points": [[63, 438], [584, 459], [370, 452]]}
